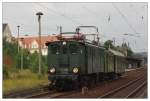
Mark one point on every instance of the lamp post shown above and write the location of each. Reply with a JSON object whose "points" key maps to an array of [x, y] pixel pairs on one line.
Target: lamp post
{"points": [[22, 54], [60, 28], [39, 14], [18, 38]]}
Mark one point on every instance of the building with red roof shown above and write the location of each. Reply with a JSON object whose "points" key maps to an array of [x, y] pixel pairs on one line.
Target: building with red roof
{"points": [[32, 43]]}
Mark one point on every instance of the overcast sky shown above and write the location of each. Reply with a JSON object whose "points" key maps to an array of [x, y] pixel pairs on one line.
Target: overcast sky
{"points": [[113, 20]]}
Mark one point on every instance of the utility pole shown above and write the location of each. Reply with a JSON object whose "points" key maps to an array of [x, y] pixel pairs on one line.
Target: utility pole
{"points": [[18, 38], [22, 54], [60, 28], [114, 40], [39, 14]]}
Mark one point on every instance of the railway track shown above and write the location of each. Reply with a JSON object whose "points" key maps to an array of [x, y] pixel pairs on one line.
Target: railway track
{"points": [[68, 93], [62, 94], [41, 94], [26, 92], [128, 90], [133, 93], [51, 94]]}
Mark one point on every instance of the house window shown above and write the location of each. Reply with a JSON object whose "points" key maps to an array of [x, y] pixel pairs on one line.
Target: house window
{"points": [[34, 46]]}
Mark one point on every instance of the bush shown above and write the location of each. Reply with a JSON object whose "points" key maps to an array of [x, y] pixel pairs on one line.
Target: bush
{"points": [[5, 72], [22, 80], [30, 61]]}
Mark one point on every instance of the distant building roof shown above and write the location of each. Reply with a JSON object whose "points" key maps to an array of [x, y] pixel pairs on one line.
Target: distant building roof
{"points": [[28, 40], [117, 53]]}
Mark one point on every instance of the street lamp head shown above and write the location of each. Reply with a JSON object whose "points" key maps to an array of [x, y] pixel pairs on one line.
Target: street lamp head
{"points": [[39, 13], [18, 26]]}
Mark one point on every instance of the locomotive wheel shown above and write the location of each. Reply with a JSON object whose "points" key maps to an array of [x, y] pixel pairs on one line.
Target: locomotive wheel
{"points": [[87, 81]]}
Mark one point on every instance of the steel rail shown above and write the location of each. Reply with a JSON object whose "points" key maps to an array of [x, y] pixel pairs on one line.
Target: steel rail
{"points": [[40, 94], [25, 92], [62, 94], [136, 90], [118, 89]]}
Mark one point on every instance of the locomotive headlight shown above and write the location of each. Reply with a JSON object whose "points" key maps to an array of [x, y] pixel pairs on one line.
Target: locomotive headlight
{"points": [[52, 70], [64, 43], [75, 70]]}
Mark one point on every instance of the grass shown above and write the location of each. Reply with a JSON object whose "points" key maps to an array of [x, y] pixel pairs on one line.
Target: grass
{"points": [[23, 80]]}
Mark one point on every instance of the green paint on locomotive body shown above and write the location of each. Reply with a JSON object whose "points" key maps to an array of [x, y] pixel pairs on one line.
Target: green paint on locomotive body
{"points": [[66, 55]]}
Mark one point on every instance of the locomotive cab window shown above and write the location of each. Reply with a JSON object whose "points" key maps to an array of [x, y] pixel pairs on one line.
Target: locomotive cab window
{"points": [[64, 49], [55, 49], [74, 49]]}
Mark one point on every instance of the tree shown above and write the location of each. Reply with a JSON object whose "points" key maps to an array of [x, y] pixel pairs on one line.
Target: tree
{"points": [[124, 48], [12, 59], [109, 44]]}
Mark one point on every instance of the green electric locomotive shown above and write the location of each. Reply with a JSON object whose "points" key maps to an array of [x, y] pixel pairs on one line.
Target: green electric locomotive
{"points": [[73, 63]]}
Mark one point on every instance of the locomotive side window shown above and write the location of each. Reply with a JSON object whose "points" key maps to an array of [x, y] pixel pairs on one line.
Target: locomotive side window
{"points": [[73, 48], [55, 49]]}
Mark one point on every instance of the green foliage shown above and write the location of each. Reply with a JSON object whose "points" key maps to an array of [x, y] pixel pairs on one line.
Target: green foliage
{"points": [[124, 48], [108, 44], [22, 80], [13, 76], [9, 48], [34, 62], [30, 61], [44, 64], [5, 72], [130, 52]]}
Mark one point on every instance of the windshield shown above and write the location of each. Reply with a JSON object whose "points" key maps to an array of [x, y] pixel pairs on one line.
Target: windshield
{"points": [[64, 49], [73, 48], [55, 49]]}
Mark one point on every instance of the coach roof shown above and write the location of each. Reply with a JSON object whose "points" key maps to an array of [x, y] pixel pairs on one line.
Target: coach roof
{"points": [[117, 53]]}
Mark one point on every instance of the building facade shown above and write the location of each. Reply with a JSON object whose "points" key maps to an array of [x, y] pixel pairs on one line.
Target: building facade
{"points": [[7, 32], [32, 43]]}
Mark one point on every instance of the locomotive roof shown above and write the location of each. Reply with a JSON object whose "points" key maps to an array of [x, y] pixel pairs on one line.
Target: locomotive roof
{"points": [[82, 42], [89, 44]]}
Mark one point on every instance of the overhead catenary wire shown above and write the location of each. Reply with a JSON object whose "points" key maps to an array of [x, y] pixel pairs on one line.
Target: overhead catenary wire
{"points": [[124, 18], [59, 14], [37, 10], [96, 14], [91, 11]]}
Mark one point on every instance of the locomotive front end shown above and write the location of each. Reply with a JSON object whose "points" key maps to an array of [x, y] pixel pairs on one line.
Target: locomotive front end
{"points": [[64, 61]]}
